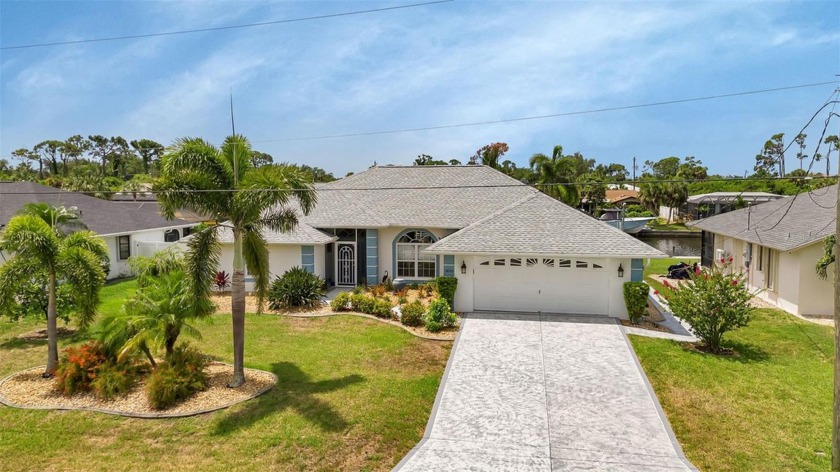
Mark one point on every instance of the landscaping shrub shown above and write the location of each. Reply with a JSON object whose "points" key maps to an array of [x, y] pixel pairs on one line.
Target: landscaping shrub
{"points": [[412, 313], [113, 379], [358, 289], [382, 308], [377, 290], [362, 303], [402, 299], [221, 281], [439, 316], [77, 368], [635, 298], [446, 288], [341, 302], [428, 289], [295, 288], [178, 378], [713, 304]]}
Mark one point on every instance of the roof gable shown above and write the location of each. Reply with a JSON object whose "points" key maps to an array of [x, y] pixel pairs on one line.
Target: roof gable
{"points": [[539, 224]]}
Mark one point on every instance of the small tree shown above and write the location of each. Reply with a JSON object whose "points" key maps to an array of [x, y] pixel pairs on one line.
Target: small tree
{"points": [[714, 303]]}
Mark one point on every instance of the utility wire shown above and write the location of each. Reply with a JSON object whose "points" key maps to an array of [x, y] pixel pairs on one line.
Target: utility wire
{"points": [[542, 117], [357, 189], [221, 28]]}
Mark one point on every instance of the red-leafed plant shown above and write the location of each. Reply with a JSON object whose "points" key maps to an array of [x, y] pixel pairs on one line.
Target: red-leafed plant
{"points": [[77, 368], [221, 281]]}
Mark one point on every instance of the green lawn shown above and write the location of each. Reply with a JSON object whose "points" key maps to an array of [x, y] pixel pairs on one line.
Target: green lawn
{"points": [[354, 394], [660, 267], [654, 225], [769, 408]]}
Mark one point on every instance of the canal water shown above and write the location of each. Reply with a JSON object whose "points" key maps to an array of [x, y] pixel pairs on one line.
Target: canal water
{"points": [[675, 246]]}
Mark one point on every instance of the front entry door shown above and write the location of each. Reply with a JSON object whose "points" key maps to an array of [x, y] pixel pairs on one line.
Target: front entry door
{"points": [[345, 263]]}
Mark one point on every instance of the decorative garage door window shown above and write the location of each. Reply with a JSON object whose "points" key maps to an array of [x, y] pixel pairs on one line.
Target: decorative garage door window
{"points": [[411, 262], [540, 262]]}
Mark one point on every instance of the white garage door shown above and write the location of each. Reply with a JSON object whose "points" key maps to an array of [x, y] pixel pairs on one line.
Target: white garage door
{"points": [[544, 284]]}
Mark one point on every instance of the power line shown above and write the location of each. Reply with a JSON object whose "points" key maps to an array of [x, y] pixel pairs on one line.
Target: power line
{"points": [[542, 117], [221, 28], [329, 189]]}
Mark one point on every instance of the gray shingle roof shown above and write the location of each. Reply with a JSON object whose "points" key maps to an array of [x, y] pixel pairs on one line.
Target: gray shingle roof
{"points": [[302, 234], [101, 216], [785, 224], [539, 224], [428, 196]]}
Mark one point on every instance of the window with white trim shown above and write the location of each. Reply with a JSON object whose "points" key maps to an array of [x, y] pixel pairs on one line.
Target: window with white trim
{"points": [[411, 262], [123, 247]]}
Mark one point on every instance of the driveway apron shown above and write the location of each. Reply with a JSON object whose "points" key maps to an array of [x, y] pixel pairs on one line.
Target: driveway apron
{"points": [[544, 393]]}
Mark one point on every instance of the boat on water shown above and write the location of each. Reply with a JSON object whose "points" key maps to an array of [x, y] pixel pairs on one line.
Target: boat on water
{"points": [[615, 218]]}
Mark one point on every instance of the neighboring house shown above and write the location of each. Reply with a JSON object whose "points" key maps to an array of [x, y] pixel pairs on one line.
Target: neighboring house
{"points": [[511, 247], [778, 243], [148, 201], [617, 197], [128, 230], [715, 203]]}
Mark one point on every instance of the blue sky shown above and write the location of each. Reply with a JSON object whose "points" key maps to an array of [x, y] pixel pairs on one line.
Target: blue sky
{"points": [[449, 63]]}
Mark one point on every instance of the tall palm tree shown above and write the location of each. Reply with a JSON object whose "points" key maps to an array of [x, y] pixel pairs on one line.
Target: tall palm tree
{"points": [[223, 183], [76, 259], [557, 176]]}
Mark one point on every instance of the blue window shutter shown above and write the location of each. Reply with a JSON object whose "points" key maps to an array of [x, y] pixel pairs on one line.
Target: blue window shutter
{"points": [[372, 245], [637, 268], [307, 258], [449, 266]]}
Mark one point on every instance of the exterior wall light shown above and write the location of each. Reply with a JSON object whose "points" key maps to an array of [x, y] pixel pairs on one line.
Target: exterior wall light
{"points": [[620, 270], [463, 267]]}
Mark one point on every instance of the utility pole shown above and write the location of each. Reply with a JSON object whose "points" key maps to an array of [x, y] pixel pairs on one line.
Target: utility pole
{"points": [[835, 431], [634, 172]]}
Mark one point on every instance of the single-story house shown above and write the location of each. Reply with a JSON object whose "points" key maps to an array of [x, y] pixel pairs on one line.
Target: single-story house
{"points": [[778, 244], [128, 229], [616, 197], [708, 204], [511, 247]]}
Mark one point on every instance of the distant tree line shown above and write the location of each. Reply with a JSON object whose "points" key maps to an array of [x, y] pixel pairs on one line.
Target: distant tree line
{"points": [[99, 165]]}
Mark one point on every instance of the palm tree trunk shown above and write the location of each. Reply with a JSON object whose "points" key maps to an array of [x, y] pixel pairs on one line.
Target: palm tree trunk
{"points": [[237, 294], [52, 331], [145, 350]]}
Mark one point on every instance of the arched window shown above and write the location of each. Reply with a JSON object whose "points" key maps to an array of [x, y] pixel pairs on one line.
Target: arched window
{"points": [[171, 236], [411, 262]]}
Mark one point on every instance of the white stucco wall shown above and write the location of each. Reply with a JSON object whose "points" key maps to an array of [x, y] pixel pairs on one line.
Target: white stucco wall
{"points": [[613, 291], [281, 257], [815, 294], [795, 287], [120, 268], [386, 247]]}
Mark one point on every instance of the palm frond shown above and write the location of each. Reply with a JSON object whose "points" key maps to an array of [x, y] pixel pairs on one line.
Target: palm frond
{"points": [[282, 220], [201, 263], [193, 191], [89, 241], [82, 270], [164, 262], [827, 258], [13, 274], [238, 148], [30, 236], [255, 252]]}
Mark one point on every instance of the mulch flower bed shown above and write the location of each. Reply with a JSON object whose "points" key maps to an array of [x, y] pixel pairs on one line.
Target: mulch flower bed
{"points": [[27, 389]]}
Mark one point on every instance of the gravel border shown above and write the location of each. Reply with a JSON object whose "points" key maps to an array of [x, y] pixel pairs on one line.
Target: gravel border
{"points": [[9, 403], [381, 320]]}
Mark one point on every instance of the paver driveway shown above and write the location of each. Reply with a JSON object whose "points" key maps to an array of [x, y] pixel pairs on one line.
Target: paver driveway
{"points": [[544, 392]]}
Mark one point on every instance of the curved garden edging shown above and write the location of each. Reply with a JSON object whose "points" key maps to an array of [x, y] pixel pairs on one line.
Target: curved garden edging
{"points": [[363, 315], [9, 403]]}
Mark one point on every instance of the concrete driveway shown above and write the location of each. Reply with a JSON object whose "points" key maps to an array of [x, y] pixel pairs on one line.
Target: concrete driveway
{"points": [[544, 393]]}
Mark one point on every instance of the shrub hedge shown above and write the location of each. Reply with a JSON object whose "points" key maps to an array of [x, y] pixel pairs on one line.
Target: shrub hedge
{"points": [[295, 288], [446, 288], [635, 298], [439, 316], [412, 313]]}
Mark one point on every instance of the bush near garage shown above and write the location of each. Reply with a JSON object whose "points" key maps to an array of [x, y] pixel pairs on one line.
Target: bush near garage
{"points": [[635, 298]]}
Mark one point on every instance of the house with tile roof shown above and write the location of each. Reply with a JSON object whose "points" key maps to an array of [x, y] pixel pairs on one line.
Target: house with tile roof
{"points": [[128, 229], [777, 244], [511, 247]]}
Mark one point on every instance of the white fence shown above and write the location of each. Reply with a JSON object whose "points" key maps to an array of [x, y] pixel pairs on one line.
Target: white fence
{"points": [[150, 248]]}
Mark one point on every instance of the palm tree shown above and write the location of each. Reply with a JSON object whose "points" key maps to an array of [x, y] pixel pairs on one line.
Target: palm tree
{"points": [[38, 243], [557, 176], [828, 257], [154, 317], [223, 183]]}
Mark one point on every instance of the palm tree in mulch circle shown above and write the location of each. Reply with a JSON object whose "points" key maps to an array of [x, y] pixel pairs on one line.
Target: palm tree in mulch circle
{"points": [[39, 241], [223, 183]]}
